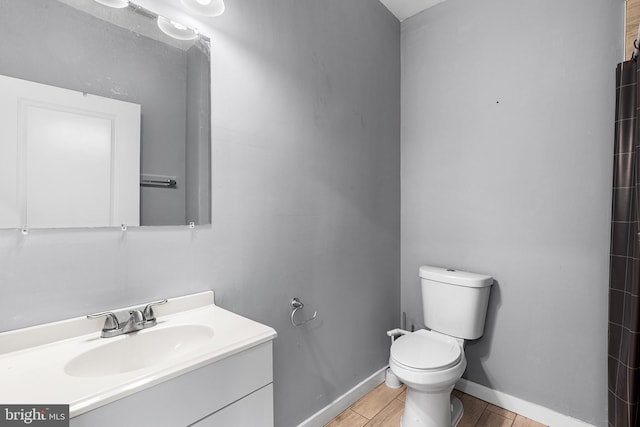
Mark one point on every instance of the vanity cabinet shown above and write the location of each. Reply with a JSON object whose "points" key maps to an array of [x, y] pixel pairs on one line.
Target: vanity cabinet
{"points": [[253, 410], [234, 391]]}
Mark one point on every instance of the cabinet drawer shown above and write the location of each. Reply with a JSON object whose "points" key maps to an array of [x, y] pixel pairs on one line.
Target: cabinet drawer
{"points": [[188, 398], [255, 410]]}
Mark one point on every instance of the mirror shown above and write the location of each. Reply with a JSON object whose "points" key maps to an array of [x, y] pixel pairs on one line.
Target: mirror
{"points": [[104, 55]]}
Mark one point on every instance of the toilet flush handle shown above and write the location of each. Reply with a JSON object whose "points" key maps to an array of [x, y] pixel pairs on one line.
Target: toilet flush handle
{"points": [[393, 333]]}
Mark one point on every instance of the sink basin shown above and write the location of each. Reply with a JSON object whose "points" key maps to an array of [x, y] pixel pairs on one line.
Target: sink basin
{"points": [[139, 350]]}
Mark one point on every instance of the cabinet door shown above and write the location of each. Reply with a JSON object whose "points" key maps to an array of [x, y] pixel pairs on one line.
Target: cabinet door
{"points": [[255, 410]]}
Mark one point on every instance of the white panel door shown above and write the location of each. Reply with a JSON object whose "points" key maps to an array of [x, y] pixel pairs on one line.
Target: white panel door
{"points": [[67, 159]]}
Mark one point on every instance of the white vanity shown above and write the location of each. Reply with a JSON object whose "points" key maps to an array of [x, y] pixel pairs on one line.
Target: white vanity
{"points": [[199, 366]]}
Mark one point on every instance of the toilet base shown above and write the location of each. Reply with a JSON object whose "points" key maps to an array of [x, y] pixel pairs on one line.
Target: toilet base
{"points": [[428, 409], [456, 411]]}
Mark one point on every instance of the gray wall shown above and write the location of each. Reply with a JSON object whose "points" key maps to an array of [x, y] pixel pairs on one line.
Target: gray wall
{"points": [[507, 127], [306, 177], [306, 197]]}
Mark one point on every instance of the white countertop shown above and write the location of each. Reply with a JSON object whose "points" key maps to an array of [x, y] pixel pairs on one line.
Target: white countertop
{"points": [[32, 360]]}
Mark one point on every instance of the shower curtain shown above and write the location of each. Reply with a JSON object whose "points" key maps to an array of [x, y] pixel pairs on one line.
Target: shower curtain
{"points": [[624, 280]]}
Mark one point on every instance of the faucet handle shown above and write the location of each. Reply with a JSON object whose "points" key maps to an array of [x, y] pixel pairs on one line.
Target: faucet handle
{"points": [[148, 314], [110, 323]]}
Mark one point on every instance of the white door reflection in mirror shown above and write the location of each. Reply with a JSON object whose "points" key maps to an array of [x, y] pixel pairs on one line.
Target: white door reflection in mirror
{"points": [[78, 158]]}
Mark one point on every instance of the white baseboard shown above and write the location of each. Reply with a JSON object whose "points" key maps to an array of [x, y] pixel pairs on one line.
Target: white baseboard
{"points": [[333, 409], [514, 404]]}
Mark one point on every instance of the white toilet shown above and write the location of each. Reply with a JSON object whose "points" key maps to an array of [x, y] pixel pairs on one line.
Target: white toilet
{"points": [[430, 362]]}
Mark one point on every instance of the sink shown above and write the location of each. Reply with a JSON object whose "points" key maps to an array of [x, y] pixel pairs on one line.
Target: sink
{"points": [[67, 362], [139, 350]]}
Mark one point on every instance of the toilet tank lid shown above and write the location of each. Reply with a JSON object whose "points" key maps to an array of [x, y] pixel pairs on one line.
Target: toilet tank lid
{"points": [[455, 277]]}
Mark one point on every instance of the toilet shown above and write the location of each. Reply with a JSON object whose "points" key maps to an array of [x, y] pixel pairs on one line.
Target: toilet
{"points": [[430, 361]]}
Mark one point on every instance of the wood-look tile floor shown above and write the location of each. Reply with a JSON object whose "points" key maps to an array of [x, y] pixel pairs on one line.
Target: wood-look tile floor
{"points": [[383, 406]]}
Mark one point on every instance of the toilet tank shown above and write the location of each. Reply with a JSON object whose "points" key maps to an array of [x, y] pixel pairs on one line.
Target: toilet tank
{"points": [[455, 302]]}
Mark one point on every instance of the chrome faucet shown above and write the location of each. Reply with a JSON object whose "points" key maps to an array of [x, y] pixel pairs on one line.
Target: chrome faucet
{"points": [[135, 322], [138, 319]]}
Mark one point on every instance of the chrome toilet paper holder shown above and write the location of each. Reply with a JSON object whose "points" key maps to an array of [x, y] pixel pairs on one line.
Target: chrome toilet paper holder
{"points": [[296, 305]]}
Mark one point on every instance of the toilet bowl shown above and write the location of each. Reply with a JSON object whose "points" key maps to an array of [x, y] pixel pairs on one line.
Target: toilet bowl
{"points": [[429, 364], [430, 361]]}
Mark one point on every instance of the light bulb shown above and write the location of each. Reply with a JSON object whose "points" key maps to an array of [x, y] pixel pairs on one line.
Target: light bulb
{"points": [[178, 25], [205, 7], [119, 4], [175, 29]]}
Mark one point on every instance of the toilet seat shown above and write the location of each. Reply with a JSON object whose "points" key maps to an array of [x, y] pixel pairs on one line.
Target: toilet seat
{"points": [[426, 350]]}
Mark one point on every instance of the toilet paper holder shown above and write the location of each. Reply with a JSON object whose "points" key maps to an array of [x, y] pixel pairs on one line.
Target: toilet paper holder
{"points": [[296, 305]]}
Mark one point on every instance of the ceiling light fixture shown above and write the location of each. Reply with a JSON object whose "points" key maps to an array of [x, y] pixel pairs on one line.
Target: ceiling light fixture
{"points": [[119, 4], [175, 29], [205, 7]]}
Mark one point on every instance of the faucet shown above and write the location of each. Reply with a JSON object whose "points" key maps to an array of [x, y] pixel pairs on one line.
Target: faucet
{"points": [[135, 322], [138, 319]]}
